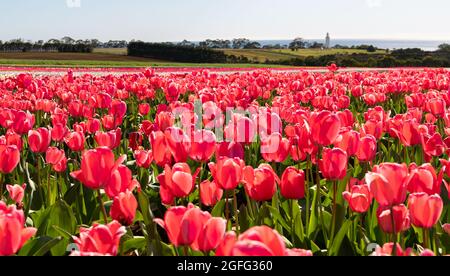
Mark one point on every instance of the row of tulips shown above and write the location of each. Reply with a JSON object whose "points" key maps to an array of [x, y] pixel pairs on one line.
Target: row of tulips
{"points": [[260, 163]]}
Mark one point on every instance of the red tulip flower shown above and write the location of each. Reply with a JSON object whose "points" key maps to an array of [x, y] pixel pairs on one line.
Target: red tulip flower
{"points": [[348, 141], [123, 208], [184, 225], [423, 179], [99, 239], [143, 158], [260, 183], [358, 198], [13, 234], [230, 150], [178, 180], [334, 164], [325, 127], [211, 235], [144, 109], [58, 132], [178, 144], [16, 192], [227, 172], [210, 193], [120, 181], [275, 148], [388, 183], [292, 184], [9, 158], [425, 209], [110, 139], [75, 141], [161, 153], [203, 145], [39, 140], [97, 167], [399, 214], [367, 149]]}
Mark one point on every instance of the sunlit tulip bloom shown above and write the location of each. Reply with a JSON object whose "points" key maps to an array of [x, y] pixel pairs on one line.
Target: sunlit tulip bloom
{"points": [[257, 241], [143, 158], [367, 149], [118, 109], [110, 122], [110, 139], [260, 183], [358, 198], [9, 158], [144, 109], [123, 208], [97, 166], [400, 217], [13, 234], [425, 209], [75, 141], [387, 250], [408, 133], [333, 164], [56, 158], [436, 106], [161, 153], [178, 144], [121, 180], [179, 180], [172, 92], [203, 145], [100, 239], [325, 127], [275, 148], [423, 179], [184, 225], [210, 193], [374, 128], [58, 132], [388, 183], [348, 141], [292, 184], [227, 172], [22, 122], [13, 138], [16, 192], [240, 129], [164, 120], [61, 166], [93, 125], [230, 150], [211, 235], [433, 145], [39, 140]]}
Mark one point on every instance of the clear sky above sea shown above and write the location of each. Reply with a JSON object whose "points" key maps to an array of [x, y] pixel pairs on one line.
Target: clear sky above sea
{"points": [[175, 20]]}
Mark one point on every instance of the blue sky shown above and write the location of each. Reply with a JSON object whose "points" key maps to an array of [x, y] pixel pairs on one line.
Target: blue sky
{"points": [[174, 20]]}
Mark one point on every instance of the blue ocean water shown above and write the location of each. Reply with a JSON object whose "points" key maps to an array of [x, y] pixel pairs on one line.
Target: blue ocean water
{"points": [[426, 45]]}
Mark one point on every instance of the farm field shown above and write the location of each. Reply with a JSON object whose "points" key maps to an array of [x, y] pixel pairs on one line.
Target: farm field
{"points": [[257, 163]]}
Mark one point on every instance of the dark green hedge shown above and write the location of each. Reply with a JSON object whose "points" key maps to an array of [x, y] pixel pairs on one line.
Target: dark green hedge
{"points": [[177, 53]]}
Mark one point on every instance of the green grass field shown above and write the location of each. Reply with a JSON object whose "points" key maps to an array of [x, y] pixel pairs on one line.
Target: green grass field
{"points": [[119, 58], [261, 55]]}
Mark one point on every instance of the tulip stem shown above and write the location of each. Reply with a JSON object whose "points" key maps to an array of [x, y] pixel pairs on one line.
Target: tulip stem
{"points": [[102, 207], [236, 214], [308, 199], [333, 222], [426, 238], [394, 235]]}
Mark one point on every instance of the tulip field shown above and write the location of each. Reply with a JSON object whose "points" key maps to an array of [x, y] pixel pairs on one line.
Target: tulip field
{"points": [[246, 163]]}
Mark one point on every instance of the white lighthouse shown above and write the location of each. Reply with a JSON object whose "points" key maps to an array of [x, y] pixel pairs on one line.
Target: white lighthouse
{"points": [[327, 42]]}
